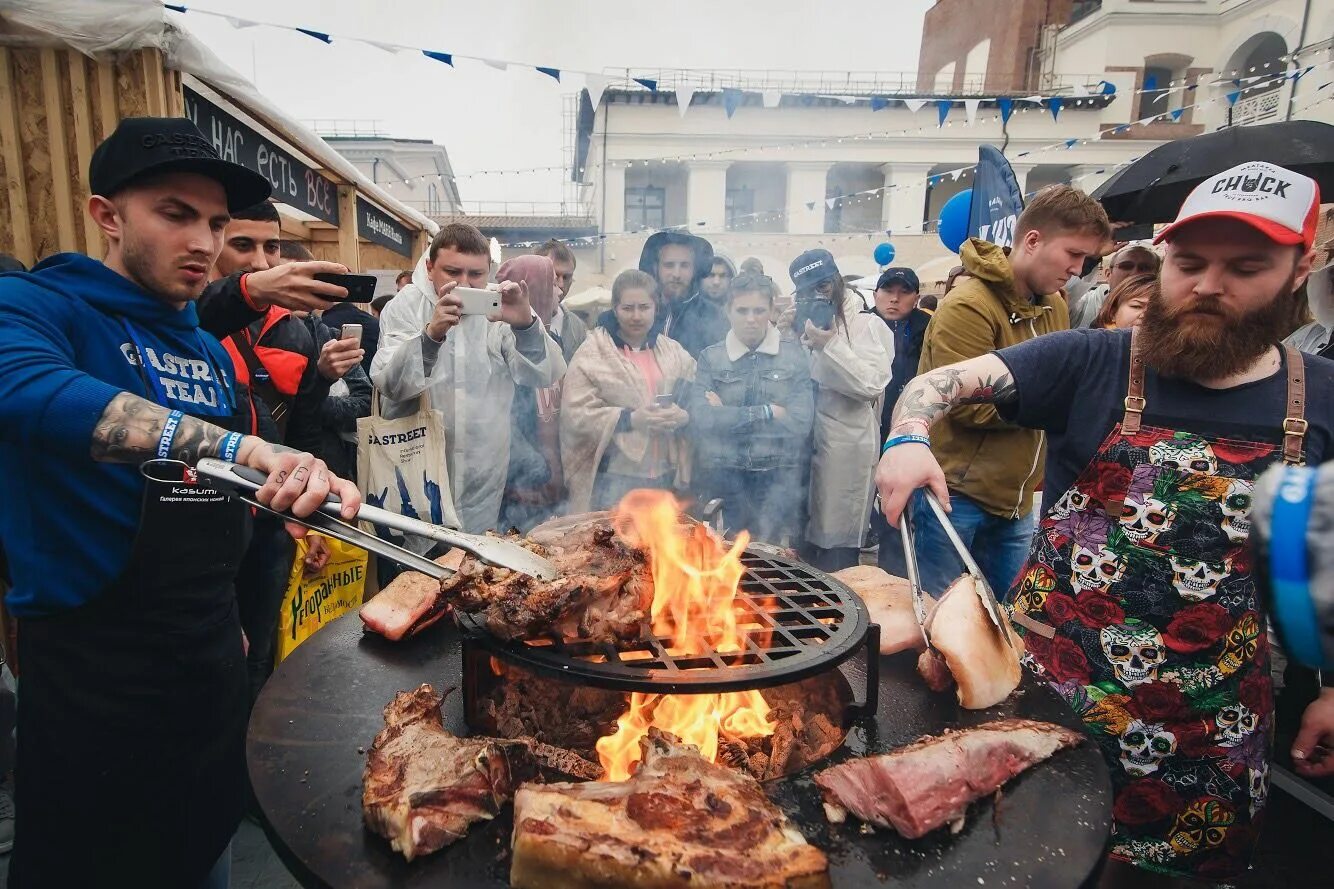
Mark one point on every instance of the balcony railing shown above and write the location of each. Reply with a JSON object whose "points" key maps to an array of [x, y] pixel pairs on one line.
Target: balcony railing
{"points": [[1256, 108]]}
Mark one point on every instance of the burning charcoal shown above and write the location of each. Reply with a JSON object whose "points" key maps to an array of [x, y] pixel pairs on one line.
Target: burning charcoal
{"points": [[733, 753]]}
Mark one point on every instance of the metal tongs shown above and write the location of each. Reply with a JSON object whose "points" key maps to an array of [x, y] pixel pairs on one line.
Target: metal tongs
{"points": [[980, 585], [244, 481]]}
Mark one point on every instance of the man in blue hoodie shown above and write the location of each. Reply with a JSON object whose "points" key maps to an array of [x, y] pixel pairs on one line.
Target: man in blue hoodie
{"points": [[133, 705]]}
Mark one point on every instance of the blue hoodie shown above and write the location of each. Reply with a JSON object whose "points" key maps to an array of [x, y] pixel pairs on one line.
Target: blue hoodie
{"points": [[70, 333]]}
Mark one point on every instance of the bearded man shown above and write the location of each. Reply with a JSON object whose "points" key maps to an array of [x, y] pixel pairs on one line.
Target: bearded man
{"points": [[1137, 603]]}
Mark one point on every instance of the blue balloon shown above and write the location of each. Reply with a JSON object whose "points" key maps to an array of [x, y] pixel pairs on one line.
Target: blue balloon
{"points": [[953, 223], [884, 253]]}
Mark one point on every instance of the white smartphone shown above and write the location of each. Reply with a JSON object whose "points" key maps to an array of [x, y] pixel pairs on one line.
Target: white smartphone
{"points": [[350, 332], [477, 301]]}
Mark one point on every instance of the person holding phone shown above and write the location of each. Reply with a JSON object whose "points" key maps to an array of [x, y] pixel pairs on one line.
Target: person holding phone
{"points": [[851, 353], [468, 363], [620, 420]]}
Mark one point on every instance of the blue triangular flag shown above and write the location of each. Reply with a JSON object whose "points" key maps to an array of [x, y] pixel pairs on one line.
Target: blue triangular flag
{"points": [[1055, 103], [1150, 83], [651, 85], [553, 73], [942, 111], [810, 205], [1070, 143], [1233, 96], [439, 56], [1176, 113], [878, 102], [1023, 153], [933, 181], [1108, 88], [318, 35], [175, 8], [1121, 129], [1006, 106], [1298, 75], [731, 100]]}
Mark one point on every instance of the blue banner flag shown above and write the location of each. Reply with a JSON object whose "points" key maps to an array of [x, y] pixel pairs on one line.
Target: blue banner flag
{"points": [[997, 199]]}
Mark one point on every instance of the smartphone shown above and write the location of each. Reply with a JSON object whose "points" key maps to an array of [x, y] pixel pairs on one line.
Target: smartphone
{"points": [[819, 312], [360, 288], [477, 301], [665, 400], [350, 332]]}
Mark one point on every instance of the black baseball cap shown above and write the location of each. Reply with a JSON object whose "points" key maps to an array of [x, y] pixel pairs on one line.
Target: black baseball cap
{"points": [[812, 268], [145, 146], [901, 275]]}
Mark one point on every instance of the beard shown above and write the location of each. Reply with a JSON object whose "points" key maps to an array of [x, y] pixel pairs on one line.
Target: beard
{"points": [[1203, 340]]}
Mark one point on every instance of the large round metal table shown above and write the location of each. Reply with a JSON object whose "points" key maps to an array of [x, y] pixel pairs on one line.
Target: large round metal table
{"points": [[322, 707]]}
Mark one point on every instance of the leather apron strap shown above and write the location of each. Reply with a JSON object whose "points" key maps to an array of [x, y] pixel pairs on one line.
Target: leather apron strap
{"points": [[1294, 421], [1134, 403]]}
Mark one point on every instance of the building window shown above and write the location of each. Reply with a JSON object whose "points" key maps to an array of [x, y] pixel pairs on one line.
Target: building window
{"points": [[740, 208], [645, 208], [1157, 79]]}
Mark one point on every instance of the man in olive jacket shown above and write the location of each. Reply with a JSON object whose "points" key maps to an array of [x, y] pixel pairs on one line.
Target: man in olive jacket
{"points": [[993, 467]]}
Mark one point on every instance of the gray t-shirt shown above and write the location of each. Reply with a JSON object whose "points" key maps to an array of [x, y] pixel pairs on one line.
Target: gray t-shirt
{"points": [[1072, 384]]}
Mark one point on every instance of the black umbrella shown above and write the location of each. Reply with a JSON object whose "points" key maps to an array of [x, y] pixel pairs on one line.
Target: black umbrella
{"points": [[1153, 188]]}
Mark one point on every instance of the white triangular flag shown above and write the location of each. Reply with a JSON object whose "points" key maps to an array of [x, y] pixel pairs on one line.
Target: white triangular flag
{"points": [[955, 174], [772, 98], [970, 105], [1036, 100], [499, 66], [387, 47], [1080, 90], [595, 84], [240, 23], [830, 202], [914, 105], [683, 96]]}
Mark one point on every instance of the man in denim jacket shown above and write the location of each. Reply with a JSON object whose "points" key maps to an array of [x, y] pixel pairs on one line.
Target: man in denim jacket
{"points": [[751, 410]]}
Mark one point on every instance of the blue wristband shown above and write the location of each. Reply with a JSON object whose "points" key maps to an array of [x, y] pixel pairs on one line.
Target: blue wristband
{"points": [[906, 439], [168, 434], [1289, 576], [231, 443]]}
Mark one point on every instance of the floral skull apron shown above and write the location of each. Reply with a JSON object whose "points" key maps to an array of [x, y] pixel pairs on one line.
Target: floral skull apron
{"points": [[1137, 604]]}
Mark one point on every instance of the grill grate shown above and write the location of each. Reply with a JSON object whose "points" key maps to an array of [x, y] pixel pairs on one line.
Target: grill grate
{"points": [[796, 622]]}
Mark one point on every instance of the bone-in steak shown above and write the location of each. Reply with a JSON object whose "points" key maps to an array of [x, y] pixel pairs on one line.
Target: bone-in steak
{"points": [[930, 783], [680, 821], [423, 786]]}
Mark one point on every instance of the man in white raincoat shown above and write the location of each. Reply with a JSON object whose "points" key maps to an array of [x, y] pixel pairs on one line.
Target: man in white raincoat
{"points": [[467, 364]]}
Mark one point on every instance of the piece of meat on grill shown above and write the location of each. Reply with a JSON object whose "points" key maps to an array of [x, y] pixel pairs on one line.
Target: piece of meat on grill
{"points": [[423, 787], [679, 821], [889, 600], [409, 603], [603, 590], [982, 664], [928, 784]]}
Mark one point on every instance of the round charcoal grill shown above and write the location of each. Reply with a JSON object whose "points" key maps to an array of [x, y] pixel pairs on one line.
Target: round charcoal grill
{"points": [[796, 622]]}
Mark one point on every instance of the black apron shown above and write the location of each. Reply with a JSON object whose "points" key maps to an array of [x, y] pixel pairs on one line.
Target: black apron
{"points": [[132, 707]]}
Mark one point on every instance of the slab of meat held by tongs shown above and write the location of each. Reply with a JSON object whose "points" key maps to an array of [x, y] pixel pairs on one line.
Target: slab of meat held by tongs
{"points": [[244, 481], [983, 589]]}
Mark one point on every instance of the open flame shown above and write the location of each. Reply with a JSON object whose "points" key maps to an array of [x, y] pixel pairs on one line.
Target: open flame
{"points": [[695, 581]]}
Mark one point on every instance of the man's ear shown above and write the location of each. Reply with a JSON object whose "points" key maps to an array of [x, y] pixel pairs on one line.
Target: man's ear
{"points": [[1305, 262], [106, 215]]}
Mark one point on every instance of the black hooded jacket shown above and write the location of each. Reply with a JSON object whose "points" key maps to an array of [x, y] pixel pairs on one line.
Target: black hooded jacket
{"points": [[694, 322]]}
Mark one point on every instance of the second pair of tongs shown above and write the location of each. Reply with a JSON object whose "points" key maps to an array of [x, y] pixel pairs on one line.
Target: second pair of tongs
{"points": [[327, 520], [983, 589]]}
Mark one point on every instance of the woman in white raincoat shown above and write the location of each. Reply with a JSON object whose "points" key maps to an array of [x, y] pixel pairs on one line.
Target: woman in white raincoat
{"points": [[851, 357], [468, 366]]}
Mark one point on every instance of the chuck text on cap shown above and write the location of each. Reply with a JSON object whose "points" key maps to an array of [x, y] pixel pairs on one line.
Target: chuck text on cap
{"points": [[1282, 205]]}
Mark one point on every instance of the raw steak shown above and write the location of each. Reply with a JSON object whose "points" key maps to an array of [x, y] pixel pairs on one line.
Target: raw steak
{"points": [[680, 822], [930, 783], [423, 787]]}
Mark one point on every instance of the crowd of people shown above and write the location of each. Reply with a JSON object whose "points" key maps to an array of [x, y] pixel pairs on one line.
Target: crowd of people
{"points": [[1137, 388]]}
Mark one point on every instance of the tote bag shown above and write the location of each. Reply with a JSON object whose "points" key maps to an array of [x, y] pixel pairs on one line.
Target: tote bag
{"points": [[401, 468]]}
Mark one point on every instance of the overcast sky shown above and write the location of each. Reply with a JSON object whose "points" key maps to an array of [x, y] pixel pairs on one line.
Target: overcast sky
{"points": [[490, 119]]}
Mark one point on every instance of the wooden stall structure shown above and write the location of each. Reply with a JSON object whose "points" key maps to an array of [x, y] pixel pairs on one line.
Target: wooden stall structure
{"points": [[57, 104]]}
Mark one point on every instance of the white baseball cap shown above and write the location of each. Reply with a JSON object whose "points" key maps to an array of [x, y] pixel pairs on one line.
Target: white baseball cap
{"points": [[1282, 205]]}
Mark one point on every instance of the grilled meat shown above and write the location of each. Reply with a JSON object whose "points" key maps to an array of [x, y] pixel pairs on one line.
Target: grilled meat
{"points": [[889, 600], [680, 822], [930, 783], [423, 787], [983, 665], [409, 603]]}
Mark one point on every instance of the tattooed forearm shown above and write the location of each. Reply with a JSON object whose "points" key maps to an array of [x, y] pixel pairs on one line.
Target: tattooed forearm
{"points": [[984, 380], [131, 427]]}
